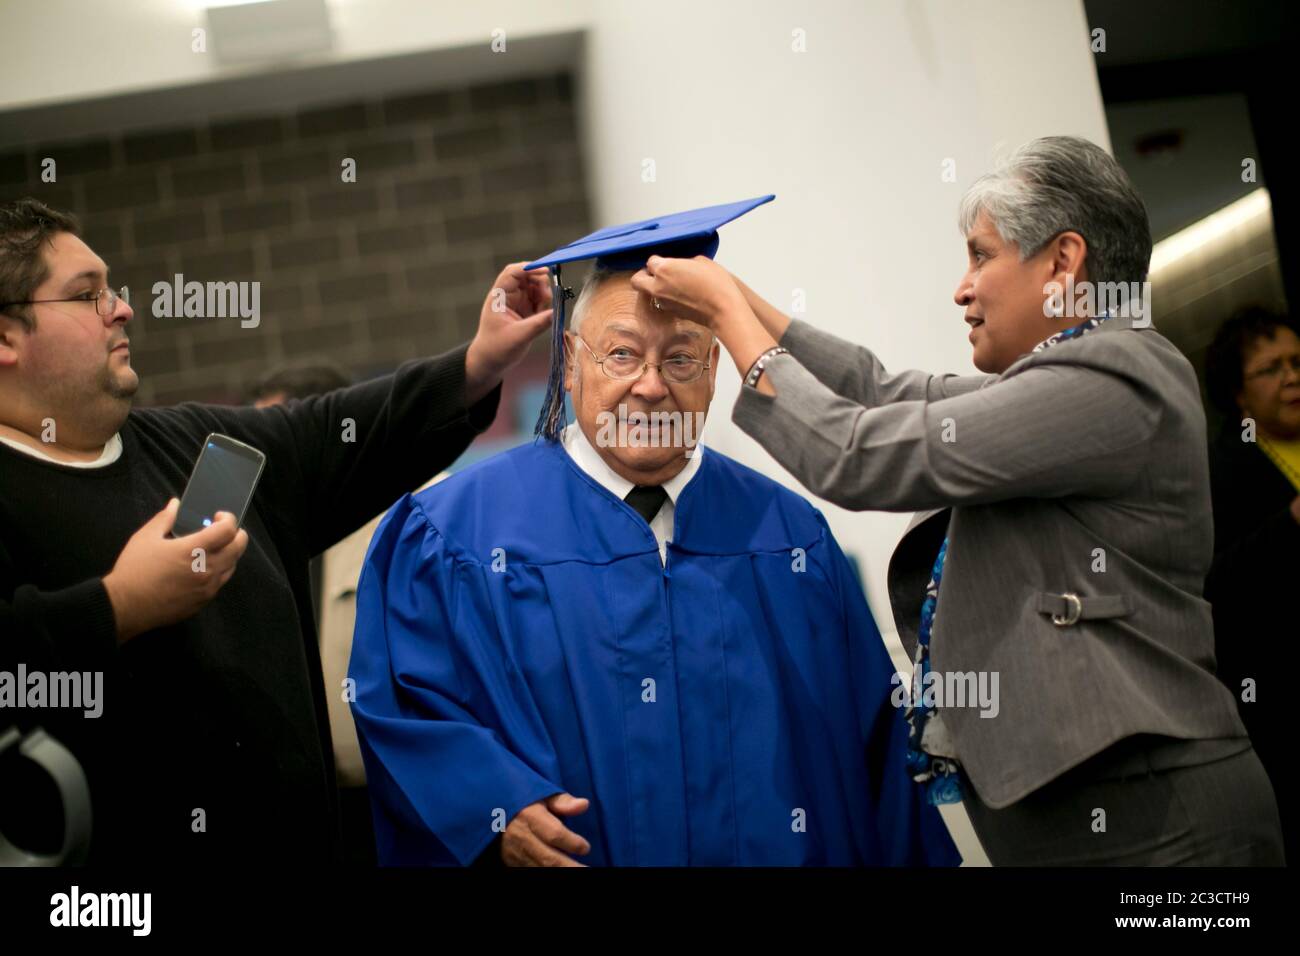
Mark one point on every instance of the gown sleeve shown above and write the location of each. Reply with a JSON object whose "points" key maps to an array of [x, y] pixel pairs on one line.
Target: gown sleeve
{"points": [[451, 740], [910, 831]]}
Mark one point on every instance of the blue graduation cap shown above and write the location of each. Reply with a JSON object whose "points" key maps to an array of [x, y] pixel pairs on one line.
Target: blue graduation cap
{"points": [[681, 235]]}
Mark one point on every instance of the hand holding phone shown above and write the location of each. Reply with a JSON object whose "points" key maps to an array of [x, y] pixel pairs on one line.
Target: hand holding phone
{"points": [[160, 580], [186, 553]]}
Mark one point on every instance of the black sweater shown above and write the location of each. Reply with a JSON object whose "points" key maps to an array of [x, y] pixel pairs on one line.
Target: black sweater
{"points": [[224, 712]]}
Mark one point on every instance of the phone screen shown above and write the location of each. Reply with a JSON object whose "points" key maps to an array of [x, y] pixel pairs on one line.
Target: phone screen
{"points": [[223, 480]]}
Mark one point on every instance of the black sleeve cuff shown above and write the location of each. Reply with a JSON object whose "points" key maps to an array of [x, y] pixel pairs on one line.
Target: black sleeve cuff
{"points": [[444, 375], [64, 629]]}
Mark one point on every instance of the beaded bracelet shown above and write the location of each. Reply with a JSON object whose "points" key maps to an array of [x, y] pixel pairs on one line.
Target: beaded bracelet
{"points": [[760, 363]]}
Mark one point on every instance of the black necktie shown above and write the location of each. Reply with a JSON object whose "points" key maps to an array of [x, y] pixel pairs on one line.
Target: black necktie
{"points": [[646, 500]]}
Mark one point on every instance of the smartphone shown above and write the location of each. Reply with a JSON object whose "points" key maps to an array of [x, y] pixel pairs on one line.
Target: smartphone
{"points": [[224, 479]]}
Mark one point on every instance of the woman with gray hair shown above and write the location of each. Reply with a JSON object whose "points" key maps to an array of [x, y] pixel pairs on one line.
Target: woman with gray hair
{"points": [[1063, 530]]}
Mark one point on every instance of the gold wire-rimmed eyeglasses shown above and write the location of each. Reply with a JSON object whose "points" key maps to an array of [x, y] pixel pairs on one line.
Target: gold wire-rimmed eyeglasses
{"points": [[678, 369]]}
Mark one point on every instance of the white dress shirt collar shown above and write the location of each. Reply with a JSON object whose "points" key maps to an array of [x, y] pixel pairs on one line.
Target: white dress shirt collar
{"points": [[588, 459]]}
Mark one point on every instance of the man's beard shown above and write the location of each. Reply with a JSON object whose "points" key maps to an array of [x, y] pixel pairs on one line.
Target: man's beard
{"points": [[87, 409], [110, 385], [109, 402]]}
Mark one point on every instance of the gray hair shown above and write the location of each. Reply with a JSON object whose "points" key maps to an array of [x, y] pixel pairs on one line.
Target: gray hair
{"points": [[1059, 183], [596, 278]]}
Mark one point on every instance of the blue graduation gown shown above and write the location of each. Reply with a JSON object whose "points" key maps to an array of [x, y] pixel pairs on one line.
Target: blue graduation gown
{"points": [[518, 637]]}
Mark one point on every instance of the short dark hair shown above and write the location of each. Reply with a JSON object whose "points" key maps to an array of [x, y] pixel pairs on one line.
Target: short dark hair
{"points": [[300, 380], [25, 226], [1226, 355]]}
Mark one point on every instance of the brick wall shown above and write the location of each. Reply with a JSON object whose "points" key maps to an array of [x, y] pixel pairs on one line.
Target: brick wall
{"points": [[450, 185]]}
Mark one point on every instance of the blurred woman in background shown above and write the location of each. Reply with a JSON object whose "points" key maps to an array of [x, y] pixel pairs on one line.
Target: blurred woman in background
{"points": [[1253, 376]]}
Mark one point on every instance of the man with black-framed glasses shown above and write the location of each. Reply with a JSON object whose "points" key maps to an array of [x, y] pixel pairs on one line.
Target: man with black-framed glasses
{"points": [[213, 744]]}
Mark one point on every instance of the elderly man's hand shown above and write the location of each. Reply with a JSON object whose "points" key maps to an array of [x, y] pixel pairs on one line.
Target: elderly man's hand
{"points": [[536, 837], [516, 311], [697, 289]]}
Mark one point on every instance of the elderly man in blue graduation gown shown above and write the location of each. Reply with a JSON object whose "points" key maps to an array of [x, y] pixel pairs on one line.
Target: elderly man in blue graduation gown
{"points": [[612, 649]]}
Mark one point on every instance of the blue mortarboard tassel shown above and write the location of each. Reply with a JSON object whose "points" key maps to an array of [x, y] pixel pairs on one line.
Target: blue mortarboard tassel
{"points": [[552, 419]]}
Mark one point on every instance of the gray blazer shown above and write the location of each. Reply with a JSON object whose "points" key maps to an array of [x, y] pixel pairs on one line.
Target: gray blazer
{"points": [[1090, 451]]}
